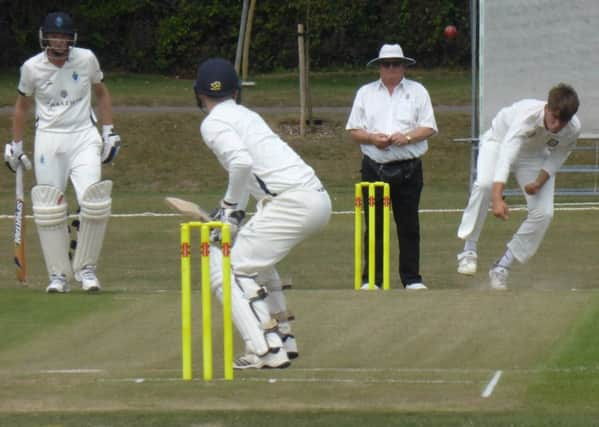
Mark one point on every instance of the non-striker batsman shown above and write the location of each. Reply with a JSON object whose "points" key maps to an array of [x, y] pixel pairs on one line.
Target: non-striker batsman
{"points": [[61, 80]]}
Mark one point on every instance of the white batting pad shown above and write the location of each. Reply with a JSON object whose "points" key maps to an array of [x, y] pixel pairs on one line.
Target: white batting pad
{"points": [[50, 213], [95, 212], [272, 281], [251, 318]]}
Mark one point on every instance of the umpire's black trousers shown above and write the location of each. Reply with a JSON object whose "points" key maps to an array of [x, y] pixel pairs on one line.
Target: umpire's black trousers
{"points": [[405, 182]]}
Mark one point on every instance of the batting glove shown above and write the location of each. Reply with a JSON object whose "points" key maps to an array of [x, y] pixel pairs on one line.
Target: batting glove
{"points": [[227, 212], [111, 143], [14, 156]]}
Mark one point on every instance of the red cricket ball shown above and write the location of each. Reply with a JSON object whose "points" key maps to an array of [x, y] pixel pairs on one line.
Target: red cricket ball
{"points": [[450, 32]]}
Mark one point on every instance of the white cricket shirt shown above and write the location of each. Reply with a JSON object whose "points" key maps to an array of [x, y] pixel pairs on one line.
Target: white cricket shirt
{"points": [[376, 111], [62, 95], [256, 158], [521, 127]]}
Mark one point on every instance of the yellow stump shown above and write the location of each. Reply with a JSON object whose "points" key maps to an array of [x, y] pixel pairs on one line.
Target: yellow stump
{"points": [[227, 303], [186, 301], [358, 237], [359, 203], [207, 348]]}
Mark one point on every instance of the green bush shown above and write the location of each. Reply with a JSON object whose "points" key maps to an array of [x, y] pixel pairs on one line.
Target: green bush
{"points": [[172, 36]]}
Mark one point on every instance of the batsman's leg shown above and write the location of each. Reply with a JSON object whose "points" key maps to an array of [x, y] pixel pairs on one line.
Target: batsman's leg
{"points": [[95, 212], [277, 306], [251, 318], [50, 213]]}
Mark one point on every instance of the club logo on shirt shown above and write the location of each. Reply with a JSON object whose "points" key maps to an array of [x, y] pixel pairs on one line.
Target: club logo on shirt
{"points": [[64, 93], [215, 86], [552, 142], [75, 76]]}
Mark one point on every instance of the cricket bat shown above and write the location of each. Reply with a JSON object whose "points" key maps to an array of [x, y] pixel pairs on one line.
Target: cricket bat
{"points": [[19, 235], [187, 208]]}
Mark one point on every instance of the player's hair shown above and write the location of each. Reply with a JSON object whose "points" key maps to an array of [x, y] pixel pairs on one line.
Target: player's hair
{"points": [[563, 101]]}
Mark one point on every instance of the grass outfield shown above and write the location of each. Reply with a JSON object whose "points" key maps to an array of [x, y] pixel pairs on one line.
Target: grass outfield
{"points": [[367, 358], [414, 358]]}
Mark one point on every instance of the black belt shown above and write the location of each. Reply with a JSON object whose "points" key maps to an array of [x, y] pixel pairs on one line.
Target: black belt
{"points": [[400, 162], [394, 162]]}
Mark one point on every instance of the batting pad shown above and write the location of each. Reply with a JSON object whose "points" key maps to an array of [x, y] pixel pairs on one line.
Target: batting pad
{"points": [[50, 214], [275, 299], [95, 212], [248, 307]]}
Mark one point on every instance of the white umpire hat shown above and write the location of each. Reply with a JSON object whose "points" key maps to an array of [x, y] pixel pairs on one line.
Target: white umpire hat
{"points": [[392, 51]]}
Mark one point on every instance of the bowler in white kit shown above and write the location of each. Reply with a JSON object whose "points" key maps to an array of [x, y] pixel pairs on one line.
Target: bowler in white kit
{"points": [[532, 138], [60, 80], [292, 204]]}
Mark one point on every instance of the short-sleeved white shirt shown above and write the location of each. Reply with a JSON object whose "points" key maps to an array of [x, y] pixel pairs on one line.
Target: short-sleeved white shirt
{"points": [[376, 111], [241, 139], [62, 95], [520, 126]]}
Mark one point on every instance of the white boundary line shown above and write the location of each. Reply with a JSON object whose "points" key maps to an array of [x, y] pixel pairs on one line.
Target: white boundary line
{"points": [[565, 207], [72, 371], [488, 391]]}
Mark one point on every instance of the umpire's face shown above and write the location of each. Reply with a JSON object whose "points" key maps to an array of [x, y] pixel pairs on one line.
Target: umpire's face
{"points": [[391, 71]]}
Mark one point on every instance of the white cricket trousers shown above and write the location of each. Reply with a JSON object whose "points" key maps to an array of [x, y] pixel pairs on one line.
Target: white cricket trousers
{"points": [[528, 238], [60, 156], [279, 224]]}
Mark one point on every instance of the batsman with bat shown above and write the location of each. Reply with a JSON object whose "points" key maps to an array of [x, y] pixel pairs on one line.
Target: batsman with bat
{"points": [[292, 204], [532, 138], [61, 79]]}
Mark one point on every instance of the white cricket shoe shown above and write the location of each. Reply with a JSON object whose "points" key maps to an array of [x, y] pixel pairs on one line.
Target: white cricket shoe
{"points": [[58, 284], [277, 360], [290, 346], [467, 263], [366, 287], [498, 276], [88, 279], [416, 286]]}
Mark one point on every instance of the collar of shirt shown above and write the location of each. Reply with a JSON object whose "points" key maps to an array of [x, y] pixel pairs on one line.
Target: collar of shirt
{"points": [[399, 87]]}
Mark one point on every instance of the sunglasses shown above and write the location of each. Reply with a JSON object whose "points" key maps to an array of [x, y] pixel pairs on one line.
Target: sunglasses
{"points": [[389, 64]]}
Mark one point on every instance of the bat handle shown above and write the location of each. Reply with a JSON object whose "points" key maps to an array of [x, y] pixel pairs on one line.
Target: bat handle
{"points": [[19, 182]]}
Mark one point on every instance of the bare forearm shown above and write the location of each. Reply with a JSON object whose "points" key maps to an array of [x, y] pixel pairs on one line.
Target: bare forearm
{"points": [[534, 186], [19, 118], [104, 103], [362, 136], [412, 136]]}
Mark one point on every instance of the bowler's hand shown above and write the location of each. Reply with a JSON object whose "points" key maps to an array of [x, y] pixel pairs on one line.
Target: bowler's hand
{"points": [[532, 188], [500, 209]]}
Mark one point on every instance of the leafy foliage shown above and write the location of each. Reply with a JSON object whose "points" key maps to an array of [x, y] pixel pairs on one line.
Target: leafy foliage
{"points": [[171, 36]]}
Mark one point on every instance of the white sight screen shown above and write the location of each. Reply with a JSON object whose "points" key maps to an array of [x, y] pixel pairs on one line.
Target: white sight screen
{"points": [[528, 46]]}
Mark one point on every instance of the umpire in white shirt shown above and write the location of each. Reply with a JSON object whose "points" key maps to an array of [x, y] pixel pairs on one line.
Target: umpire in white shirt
{"points": [[391, 119]]}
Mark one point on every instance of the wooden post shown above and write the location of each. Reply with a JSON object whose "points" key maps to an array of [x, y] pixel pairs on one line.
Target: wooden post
{"points": [[307, 54], [246, 41], [302, 78], [240, 37]]}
